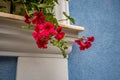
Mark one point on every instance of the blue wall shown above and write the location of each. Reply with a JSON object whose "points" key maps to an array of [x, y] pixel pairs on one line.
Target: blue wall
{"points": [[100, 18], [8, 68]]}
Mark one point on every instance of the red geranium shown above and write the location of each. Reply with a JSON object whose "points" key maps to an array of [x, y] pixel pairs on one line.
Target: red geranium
{"points": [[91, 38], [85, 43], [48, 28], [42, 43], [59, 34], [39, 18], [59, 29], [27, 19]]}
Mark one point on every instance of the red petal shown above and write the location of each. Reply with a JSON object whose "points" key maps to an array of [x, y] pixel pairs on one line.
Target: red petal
{"points": [[91, 38], [59, 29]]}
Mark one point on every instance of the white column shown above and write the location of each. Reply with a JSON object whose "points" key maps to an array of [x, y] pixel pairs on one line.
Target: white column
{"points": [[34, 68], [63, 6]]}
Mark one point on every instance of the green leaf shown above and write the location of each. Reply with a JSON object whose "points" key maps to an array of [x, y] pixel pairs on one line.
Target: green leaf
{"points": [[64, 41], [44, 6], [28, 26], [65, 47], [35, 4], [30, 12], [50, 17], [70, 18], [54, 42]]}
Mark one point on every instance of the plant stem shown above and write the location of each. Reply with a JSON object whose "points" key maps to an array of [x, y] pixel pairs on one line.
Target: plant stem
{"points": [[63, 53], [25, 7]]}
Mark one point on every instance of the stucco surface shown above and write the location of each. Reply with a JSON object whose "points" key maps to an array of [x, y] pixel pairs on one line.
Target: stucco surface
{"points": [[8, 68], [100, 18]]}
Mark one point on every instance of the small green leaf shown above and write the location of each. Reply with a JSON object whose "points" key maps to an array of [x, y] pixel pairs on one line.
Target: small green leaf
{"points": [[70, 18], [44, 6], [50, 17], [28, 26], [30, 12], [65, 47], [64, 41], [54, 42], [35, 4]]}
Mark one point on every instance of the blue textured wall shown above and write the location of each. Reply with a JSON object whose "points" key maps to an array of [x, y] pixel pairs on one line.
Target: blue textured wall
{"points": [[8, 68], [100, 18]]}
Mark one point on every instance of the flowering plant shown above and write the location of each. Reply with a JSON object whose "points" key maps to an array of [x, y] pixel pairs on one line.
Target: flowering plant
{"points": [[39, 15]]}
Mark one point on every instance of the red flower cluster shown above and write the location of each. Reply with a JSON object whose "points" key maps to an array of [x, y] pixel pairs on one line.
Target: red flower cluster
{"points": [[44, 31], [85, 43], [27, 19]]}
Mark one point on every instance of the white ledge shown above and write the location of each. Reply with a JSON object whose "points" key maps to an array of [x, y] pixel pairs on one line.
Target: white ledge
{"points": [[15, 41], [17, 17]]}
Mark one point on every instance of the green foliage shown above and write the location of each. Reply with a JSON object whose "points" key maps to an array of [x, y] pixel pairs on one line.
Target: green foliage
{"points": [[70, 18], [47, 6], [61, 45]]}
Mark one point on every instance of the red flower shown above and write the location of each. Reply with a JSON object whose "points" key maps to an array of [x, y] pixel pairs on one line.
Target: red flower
{"points": [[42, 43], [39, 18], [47, 29], [59, 29], [85, 43], [27, 19], [37, 32], [38, 27], [91, 38], [60, 36], [44, 31], [82, 48], [82, 45], [36, 35], [78, 42]]}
